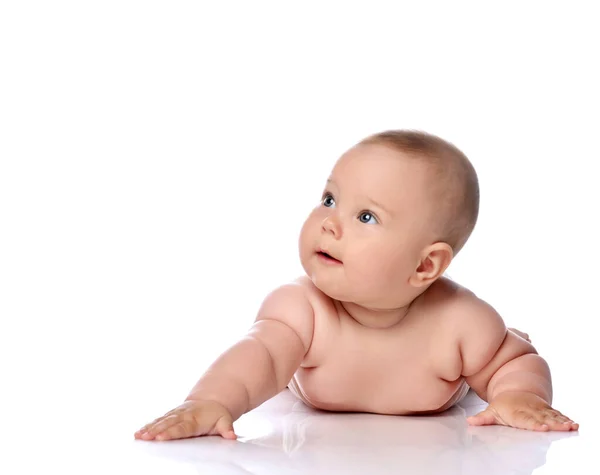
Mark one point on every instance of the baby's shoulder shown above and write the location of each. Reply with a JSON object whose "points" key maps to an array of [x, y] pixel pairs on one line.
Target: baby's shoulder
{"points": [[465, 325], [444, 297], [316, 296], [326, 323], [462, 311]]}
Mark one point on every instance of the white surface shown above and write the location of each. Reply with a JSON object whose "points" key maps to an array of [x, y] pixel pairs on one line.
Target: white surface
{"points": [[286, 437], [157, 160], [283, 436]]}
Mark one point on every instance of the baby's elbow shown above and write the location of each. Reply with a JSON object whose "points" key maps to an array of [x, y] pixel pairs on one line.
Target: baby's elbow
{"points": [[511, 349], [283, 346]]}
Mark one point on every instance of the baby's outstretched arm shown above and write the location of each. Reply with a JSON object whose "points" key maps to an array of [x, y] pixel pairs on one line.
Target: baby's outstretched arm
{"points": [[506, 371], [252, 371]]}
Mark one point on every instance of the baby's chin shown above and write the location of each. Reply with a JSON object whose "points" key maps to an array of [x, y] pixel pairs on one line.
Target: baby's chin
{"points": [[334, 286], [348, 292], [334, 290]]}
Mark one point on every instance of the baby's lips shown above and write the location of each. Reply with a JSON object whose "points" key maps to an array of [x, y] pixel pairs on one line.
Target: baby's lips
{"points": [[327, 253]]}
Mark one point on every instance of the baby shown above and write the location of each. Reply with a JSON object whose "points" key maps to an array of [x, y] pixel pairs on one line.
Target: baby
{"points": [[374, 325]]}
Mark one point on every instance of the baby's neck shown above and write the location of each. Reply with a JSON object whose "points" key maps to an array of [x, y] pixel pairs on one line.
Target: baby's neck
{"points": [[376, 318]]}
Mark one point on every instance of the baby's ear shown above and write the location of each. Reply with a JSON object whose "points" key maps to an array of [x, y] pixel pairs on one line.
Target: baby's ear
{"points": [[435, 259]]}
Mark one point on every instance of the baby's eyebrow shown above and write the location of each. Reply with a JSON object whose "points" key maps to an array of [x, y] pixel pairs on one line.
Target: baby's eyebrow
{"points": [[376, 203], [331, 182]]}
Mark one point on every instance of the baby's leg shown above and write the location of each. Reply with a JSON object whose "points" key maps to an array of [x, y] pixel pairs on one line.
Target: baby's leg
{"points": [[525, 336]]}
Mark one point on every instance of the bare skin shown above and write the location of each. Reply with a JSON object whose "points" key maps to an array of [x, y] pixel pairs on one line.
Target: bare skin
{"points": [[523, 335], [373, 326]]}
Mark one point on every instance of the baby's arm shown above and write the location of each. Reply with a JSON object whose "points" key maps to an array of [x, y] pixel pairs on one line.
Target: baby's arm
{"points": [[505, 370], [262, 363], [253, 370]]}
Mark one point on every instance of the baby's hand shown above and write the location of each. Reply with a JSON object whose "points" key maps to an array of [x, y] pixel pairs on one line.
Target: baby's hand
{"points": [[522, 410], [190, 419]]}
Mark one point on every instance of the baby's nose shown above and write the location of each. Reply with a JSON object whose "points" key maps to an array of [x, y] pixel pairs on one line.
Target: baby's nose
{"points": [[331, 224]]}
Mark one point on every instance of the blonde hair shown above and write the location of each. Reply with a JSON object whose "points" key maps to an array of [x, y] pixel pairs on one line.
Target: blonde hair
{"points": [[455, 185]]}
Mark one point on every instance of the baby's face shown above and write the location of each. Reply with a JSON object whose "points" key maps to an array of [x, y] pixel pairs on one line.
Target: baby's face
{"points": [[373, 220]]}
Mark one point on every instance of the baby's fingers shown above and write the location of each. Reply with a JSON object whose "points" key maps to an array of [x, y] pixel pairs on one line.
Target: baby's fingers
{"points": [[138, 434], [191, 419], [530, 421], [179, 430], [224, 427], [544, 421], [557, 421], [156, 428]]}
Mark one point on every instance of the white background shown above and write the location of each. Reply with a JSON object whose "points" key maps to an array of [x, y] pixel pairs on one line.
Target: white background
{"points": [[157, 160]]}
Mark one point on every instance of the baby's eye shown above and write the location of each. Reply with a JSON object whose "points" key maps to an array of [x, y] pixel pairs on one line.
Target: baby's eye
{"points": [[328, 201], [367, 218]]}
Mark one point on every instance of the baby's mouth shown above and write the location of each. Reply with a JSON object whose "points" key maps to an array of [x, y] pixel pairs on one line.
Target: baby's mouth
{"points": [[328, 257]]}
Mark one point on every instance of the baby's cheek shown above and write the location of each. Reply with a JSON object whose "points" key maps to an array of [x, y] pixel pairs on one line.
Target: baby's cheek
{"points": [[306, 240], [368, 267], [381, 268]]}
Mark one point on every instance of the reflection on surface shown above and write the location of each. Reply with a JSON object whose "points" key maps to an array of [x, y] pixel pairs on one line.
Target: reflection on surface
{"points": [[284, 436]]}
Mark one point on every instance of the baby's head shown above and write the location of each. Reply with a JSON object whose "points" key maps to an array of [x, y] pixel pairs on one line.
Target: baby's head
{"points": [[396, 209]]}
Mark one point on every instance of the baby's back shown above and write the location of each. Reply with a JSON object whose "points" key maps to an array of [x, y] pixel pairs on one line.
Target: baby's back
{"points": [[413, 367]]}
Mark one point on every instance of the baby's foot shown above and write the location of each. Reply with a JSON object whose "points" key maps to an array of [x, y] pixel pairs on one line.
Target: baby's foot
{"points": [[525, 336]]}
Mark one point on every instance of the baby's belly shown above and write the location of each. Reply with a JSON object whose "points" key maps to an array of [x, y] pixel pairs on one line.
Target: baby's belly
{"points": [[400, 393]]}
